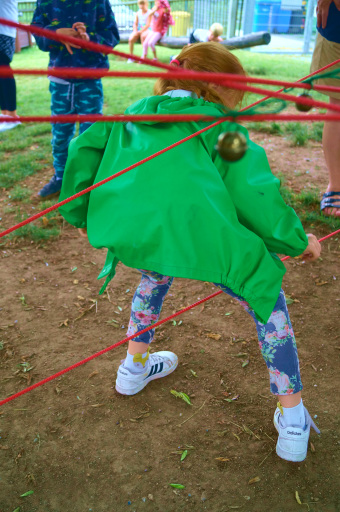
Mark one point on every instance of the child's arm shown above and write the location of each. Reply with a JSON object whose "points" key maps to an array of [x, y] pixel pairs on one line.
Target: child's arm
{"points": [[313, 249], [258, 202], [41, 20], [84, 157], [106, 27]]}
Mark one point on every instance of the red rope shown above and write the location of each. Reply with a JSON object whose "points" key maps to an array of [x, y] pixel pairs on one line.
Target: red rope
{"points": [[101, 352], [97, 354], [100, 48], [88, 45], [180, 118], [96, 185], [175, 73]]}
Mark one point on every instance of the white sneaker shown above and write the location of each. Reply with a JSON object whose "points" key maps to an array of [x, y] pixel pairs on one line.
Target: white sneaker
{"points": [[292, 442], [130, 61], [160, 364], [4, 126]]}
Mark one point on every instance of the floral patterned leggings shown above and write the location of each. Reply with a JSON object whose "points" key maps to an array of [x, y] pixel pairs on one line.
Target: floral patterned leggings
{"points": [[276, 338]]}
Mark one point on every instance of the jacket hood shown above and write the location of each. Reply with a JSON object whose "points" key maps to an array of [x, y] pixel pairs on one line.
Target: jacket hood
{"points": [[167, 105]]}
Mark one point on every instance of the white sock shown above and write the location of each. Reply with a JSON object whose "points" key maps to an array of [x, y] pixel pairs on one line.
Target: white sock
{"points": [[294, 416], [136, 363]]}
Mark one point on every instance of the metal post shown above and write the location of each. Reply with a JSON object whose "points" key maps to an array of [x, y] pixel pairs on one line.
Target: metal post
{"points": [[248, 16], [308, 26], [232, 14]]}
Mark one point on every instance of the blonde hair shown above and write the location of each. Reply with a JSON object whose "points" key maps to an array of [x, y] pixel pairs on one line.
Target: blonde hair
{"points": [[211, 57], [216, 29]]}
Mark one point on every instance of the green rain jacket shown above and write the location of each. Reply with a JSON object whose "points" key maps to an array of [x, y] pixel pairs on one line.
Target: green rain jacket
{"points": [[186, 213]]}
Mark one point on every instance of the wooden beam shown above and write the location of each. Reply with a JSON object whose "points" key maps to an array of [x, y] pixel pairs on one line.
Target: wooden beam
{"points": [[254, 39]]}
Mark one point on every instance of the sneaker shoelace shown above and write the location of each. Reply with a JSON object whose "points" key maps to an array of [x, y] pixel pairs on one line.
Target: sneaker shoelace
{"points": [[308, 422]]}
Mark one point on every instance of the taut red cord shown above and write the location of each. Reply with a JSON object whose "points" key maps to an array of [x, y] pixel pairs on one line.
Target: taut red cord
{"points": [[178, 118], [181, 73]]}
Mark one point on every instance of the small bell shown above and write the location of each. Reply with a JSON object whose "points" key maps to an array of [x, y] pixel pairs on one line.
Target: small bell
{"points": [[231, 146], [304, 108]]}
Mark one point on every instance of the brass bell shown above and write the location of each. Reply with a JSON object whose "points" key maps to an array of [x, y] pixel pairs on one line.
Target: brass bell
{"points": [[232, 146], [304, 108]]}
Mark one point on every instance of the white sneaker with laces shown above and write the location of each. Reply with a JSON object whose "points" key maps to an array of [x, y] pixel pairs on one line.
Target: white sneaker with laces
{"points": [[292, 442], [160, 364]]}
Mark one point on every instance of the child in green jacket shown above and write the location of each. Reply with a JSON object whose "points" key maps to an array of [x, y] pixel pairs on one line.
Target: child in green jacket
{"points": [[188, 213]]}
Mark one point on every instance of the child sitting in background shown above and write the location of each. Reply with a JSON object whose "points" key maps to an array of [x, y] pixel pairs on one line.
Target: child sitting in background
{"points": [[140, 27], [160, 19], [190, 214], [201, 35]]}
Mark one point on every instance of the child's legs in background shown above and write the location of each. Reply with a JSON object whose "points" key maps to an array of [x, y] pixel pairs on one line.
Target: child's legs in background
{"points": [[150, 41], [62, 133], [145, 309], [143, 36], [278, 347], [88, 99], [132, 40]]}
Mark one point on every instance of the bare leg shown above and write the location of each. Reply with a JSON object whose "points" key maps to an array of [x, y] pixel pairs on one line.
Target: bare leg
{"points": [[331, 148], [132, 40], [12, 113], [138, 348], [290, 400]]}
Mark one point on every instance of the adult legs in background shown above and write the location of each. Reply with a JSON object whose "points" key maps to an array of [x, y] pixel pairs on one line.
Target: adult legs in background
{"points": [[331, 149], [326, 52]]}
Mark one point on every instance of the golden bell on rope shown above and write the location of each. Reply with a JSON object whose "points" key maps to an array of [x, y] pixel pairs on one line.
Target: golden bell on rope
{"points": [[232, 146], [301, 107]]}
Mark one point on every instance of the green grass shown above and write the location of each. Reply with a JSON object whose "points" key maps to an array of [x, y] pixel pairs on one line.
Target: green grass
{"points": [[307, 206], [27, 149]]}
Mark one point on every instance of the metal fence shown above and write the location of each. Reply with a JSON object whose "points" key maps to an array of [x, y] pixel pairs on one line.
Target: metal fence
{"points": [[237, 16]]}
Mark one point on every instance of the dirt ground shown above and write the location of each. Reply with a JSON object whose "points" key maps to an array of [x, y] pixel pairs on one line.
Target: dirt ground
{"points": [[81, 447]]}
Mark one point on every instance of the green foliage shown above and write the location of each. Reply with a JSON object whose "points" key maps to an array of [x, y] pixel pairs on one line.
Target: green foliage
{"points": [[307, 206], [298, 133], [42, 229], [19, 193]]}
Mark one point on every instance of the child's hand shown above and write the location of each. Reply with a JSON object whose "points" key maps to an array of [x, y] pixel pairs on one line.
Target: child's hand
{"points": [[81, 30], [82, 232], [313, 249], [68, 32]]}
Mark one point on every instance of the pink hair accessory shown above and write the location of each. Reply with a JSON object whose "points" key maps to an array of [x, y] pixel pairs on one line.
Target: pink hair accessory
{"points": [[176, 62]]}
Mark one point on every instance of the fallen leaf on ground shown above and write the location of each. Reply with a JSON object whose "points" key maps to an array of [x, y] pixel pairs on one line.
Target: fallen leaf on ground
{"points": [[254, 480], [297, 497], [180, 394], [214, 336]]}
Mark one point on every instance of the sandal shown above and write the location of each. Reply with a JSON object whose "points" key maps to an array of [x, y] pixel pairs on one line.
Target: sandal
{"points": [[328, 201]]}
